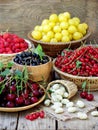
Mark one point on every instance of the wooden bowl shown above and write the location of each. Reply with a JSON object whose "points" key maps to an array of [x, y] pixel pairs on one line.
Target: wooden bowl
{"points": [[37, 73], [5, 58], [78, 80], [52, 49], [16, 109]]}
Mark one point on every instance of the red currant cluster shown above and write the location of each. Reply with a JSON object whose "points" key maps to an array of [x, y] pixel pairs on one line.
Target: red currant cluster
{"points": [[82, 61], [11, 43], [87, 95], [35, 115]]}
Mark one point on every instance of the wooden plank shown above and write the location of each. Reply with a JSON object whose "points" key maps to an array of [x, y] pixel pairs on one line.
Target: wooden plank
{"points": [[8, 121], [21, 16], [38, 124], [90, 124]]}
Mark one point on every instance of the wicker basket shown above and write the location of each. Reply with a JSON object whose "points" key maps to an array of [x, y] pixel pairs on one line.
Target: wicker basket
{"points": [[5, 58], [92, 82], [37, 73], [52, 49], [70, 87]]}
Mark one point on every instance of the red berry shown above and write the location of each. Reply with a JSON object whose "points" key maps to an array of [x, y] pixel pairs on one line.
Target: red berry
{"points": [[90, 97], [10, 104], [42, 114], [34, 99], [83, 94], [35, 86]]}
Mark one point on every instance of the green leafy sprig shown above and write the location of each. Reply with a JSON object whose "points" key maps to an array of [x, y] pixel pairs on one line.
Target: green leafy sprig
{"points": [[84, 85], [38, 50]]}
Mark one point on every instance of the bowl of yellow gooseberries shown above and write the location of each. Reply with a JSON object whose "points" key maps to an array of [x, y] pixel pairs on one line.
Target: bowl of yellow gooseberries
{"points": [[58, 32]]}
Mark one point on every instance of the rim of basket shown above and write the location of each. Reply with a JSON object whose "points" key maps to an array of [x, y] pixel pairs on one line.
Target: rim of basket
{"points": [[71, 76], [59, 43], [13, 54]]}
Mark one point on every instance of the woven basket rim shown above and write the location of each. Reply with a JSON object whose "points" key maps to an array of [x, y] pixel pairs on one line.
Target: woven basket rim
{"points": [[59, 43], [13, 54], [50, 60], [70, 75]]}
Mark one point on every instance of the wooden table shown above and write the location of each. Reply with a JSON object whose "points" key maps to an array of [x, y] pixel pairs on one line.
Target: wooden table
{"points": [[20, 16]]}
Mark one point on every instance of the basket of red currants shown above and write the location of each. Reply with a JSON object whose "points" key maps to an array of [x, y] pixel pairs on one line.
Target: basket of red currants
{"points": [[10, 45], [80, 65]]}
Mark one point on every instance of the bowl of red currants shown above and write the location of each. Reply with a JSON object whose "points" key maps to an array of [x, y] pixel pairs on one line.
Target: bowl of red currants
{"points": [[18, 92], [39, 66], [59, 31], [79, 65], [10, 45]]}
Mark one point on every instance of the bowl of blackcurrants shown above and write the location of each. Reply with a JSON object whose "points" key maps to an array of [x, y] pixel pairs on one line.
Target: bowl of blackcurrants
{"points": [[39, 67]]}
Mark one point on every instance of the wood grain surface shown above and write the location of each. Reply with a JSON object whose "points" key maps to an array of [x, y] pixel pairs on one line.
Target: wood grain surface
{"points": [[20, 16]]}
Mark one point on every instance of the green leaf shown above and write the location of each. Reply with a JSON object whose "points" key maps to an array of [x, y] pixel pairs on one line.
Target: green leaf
{"points": [[19, 88], [10, 64], [18, 73], [78, 64], [5, 72], [62, 53], [1, 65], [2, 87], [49, 91], [38, 50], [25, 74], [84, 85]]}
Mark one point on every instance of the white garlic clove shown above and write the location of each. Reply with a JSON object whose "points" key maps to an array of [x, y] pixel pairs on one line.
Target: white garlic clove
{"points": [[82, 116], [65, 95], [62, 88], [55, 86], [47, 102], [58, 104], [65, 101], [54, 97], [59, 97], [80, 104], [70, 104], [59, 91], [59, 110], [72, 109], [94, 113], [53, 107]]}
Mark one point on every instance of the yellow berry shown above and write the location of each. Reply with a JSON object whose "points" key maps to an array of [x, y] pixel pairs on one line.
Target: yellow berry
{"points": [[58, 36], [45, 38], [46, 28], [45, 22], [65, 39], [53, 40], [67, 15], [57, 29], [36, 35], [53, 18], [77, 35], [64, 25], [72, 29], [50, 34], [65, 32]]}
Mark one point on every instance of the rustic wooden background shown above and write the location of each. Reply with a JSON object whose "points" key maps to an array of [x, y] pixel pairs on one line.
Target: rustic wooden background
{"points": [[20, 16]]}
